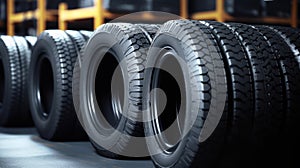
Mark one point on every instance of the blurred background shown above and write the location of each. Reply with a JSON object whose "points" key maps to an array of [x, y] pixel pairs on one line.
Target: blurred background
{"points": [[30, 17]]}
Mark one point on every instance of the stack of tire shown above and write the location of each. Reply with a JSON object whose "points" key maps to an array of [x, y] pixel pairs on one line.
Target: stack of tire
{"points": [[201, 93], [36, 77], [187, 93], [15, 53]]}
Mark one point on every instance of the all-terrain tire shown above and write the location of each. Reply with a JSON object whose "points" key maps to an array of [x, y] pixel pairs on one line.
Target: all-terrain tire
{"points": [[14, 62], [114, 49], [50, 87], [185, 63], [267, 90], [239, 96], [291, 63]]}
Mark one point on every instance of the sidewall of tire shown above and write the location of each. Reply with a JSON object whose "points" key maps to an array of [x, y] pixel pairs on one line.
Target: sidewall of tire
{"points": [[90, 65], [47, 48], [161, 41]]}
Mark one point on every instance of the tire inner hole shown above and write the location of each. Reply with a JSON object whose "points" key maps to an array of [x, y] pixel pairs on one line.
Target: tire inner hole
{"points": [[46, 87], [169, 125], [109, 91]]}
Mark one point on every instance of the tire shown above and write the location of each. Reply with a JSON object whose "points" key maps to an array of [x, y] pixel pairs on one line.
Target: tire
{"points": [[14, 54], [50, 87], [267, 91], [149, 30], [239, 97], [25, 56], [291, 64], [31, 40], [113, 49], [86, 34], [78, 39], [184, 57]]}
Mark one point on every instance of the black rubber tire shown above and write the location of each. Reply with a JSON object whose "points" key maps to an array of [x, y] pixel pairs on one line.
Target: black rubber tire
{"points": [[239, 96], [128, 52], [25, 57], [14, 54], [149, 30], [78, 39], [50, 87], [86, 34], [204, 77], [31, 40], [291, 63], [267, 91]]}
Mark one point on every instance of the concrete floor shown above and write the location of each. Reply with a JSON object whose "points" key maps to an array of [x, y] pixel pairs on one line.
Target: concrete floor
{"points": [[23, 148]]}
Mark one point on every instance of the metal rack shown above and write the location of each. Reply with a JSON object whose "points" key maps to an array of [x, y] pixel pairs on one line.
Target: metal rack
{"points": [[41, 14]]}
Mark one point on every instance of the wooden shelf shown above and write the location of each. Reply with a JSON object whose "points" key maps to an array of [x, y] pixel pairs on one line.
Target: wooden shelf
{"points": [[41, 14], [220, 15]]}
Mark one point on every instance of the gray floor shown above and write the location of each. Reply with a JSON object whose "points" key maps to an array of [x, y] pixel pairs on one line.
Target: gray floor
{"points": [[23, 148]]}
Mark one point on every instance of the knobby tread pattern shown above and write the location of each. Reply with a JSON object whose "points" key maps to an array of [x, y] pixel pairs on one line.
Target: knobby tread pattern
{"points": [[12, 102], [149, 30], [136, 43], [207, 68], [212, 60], [291, 37], [268, 92], [135, 59], [24, 53], [65, 55], [239, 83], [289, 72], [217, 139], [68, 119], [79, 39], [290, 138]]}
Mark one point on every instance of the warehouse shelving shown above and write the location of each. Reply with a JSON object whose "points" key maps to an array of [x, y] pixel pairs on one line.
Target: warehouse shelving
{"points": [[99, 14], [41, 14], [96, 12], [220, 15]]}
